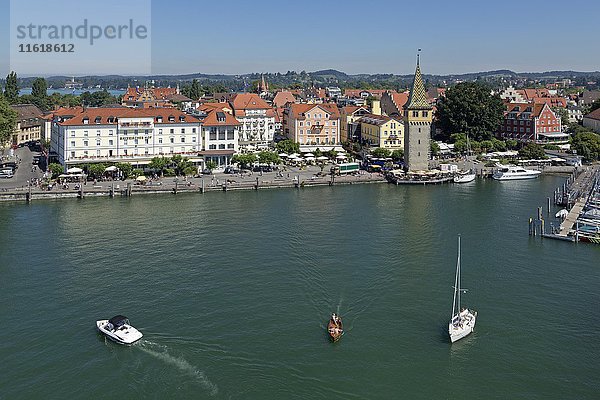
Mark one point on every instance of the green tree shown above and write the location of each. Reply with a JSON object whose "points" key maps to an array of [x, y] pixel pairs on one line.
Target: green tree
{"points": [[532, 151], [470, 107], [511, 144], [498, 145], [210, 165], [11, 88], [486, 146], [587, 145], [39, 92], [97, 99], [268, 157], [318, 152], [195, 92], [190, 171], [56, 170], [288, 146], [8, 121], [125, 168], [398, 154], [244, 160], [180, 163], [158, 164], [381, 152], [434, 147], [595, 105], [96, 170]]}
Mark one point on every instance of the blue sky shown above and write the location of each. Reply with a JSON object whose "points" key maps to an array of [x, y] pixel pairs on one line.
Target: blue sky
{"points": [[235, 37]]}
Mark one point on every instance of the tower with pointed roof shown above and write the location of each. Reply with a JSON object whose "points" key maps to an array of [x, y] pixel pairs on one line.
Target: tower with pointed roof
{"points": [[417, 125]]}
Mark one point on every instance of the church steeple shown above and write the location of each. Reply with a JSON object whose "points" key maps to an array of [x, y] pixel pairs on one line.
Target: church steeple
{"points": [[417, 99]]}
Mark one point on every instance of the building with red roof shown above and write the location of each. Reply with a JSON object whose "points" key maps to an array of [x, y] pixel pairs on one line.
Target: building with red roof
{"points": [[528, 122], [122, 134], [312, 124], [257, 121]]}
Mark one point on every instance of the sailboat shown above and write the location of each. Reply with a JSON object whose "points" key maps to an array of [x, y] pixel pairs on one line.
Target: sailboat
{"points": [[468, 176], [463, 319]]}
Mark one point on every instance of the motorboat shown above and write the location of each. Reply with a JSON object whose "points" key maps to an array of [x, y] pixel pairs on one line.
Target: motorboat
{"points": [[463, 320], [119, 330], [335, 328], [465, 177], [511, 172]]}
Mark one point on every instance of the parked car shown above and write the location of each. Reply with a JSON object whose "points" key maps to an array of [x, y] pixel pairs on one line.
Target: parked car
{"points": [[207, 171], [231, 170]]}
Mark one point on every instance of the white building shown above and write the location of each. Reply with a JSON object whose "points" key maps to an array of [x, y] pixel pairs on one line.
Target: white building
{"points": [[220, 132], [257, 121], [124, 135]]}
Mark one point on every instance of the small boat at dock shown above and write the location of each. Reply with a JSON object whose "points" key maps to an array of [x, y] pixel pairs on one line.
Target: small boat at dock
{"points": [[335, 328], [511, 173], [465, 177]]}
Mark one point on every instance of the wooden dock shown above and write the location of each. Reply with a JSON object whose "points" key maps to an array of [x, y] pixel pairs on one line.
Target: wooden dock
{"points": [[567, 225]]}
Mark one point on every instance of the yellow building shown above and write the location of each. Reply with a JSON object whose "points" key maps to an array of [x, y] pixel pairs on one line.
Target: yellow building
{"points": [[382, 131], [29, 124]]}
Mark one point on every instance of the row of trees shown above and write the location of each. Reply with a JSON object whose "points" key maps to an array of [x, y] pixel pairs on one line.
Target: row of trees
{"points": [[39, 95]]}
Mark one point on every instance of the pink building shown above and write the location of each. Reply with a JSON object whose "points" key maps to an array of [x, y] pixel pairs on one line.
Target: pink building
{"points": [[312, 124]]}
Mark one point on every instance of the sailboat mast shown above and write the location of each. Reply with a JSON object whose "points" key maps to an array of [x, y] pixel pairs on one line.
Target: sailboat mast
{"points": [[456, 283], [458, 273]]}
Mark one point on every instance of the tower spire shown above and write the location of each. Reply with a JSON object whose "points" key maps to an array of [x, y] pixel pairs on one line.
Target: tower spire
{"points": [[418, 97]]}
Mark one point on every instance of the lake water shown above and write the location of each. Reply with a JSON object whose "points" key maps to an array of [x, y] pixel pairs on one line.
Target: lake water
{"points": [[233, 291]]}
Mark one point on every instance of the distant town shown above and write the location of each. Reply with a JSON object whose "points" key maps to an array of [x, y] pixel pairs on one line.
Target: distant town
{"points": [[214, 127]]}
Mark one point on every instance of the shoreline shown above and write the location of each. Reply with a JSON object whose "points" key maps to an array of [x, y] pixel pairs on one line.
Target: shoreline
{"points": [[129, 190]]}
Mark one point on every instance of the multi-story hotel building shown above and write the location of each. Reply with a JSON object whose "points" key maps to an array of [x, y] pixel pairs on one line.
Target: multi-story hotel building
{"points": [[526, 122], [124, 135], [220, 133], [312, 124], [257, 121]]}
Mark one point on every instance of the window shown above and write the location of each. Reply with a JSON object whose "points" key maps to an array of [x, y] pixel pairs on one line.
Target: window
{"points": [[221, 135], [110, 142], [183, 149], [172, 130], [213, 135], [160, 131], [72, 133], [85, 133], [72, 154], [301, 131], [73, 143], [183, 139], [97, 142], [194, 139], [415, 113], [110, 132], [97, 133], [193, 130], [97, 153], [222, 146], [230, 135], [182, 130], [230, 146], [147, 141], [146, 131], [425, 113], [85, 143], [172, 140], [301, 123], [212, 147]]}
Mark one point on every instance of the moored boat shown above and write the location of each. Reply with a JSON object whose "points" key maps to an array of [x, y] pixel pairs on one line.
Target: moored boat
{"points": [[119, 330], [511, 172], [335, 328], [465, 177]]}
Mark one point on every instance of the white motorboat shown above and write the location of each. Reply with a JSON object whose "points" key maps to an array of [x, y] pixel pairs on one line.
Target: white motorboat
{"points": [[462, 322], [119, 330], [511, 172], [465, 177]]}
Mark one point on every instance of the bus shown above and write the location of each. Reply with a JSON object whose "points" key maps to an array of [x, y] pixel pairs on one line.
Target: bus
{"points": [[345, 168]]}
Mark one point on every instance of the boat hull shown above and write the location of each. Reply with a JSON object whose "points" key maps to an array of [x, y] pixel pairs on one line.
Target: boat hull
{"points": [[334, 330], [511, 177], [464, 178], [127, 336], [465, 328]]}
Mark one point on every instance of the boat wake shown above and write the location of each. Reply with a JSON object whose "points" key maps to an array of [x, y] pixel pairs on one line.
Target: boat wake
{"points": [[161, 352]]}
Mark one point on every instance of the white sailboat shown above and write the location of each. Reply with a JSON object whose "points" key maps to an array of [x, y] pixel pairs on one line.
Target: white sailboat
{"points": [[467, 176], [463, 319]]}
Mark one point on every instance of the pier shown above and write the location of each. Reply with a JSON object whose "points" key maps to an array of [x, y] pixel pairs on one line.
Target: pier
{"points": [[580, 193]]}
